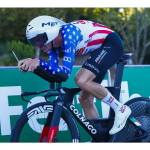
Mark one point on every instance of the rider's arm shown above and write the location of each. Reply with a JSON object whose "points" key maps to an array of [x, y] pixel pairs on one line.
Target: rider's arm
{"points": [[71, 36], [53, 59], [53, 65]]}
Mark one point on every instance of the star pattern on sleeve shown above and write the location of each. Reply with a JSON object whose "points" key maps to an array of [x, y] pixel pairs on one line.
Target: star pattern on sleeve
{"points": [[71, 37], [70, 32]]}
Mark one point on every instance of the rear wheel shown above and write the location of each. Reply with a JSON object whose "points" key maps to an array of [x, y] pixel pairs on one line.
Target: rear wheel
{"points": [[29, 125], [141, 112]]}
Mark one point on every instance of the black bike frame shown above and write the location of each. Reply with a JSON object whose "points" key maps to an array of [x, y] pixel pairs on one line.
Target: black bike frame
{"points": [[99, 134], [65, 101], [98, 131]]}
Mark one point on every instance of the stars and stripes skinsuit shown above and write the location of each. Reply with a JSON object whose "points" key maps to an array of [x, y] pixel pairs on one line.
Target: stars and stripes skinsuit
{"points": [[79, 37]]}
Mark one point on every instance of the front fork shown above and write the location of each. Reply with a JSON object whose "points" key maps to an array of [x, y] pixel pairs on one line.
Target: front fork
{"points": [[52, 123]]}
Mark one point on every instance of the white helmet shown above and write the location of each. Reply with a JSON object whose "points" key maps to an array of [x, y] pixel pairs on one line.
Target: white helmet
{"points": [[43, 26]]}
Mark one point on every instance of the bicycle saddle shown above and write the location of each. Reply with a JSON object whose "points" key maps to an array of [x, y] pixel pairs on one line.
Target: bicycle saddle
{"points": [[57, 78], [125, 56]]}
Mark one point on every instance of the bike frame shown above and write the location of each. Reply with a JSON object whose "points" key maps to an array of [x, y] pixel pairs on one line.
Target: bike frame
{"points": [[99, 134], [65, 100]]}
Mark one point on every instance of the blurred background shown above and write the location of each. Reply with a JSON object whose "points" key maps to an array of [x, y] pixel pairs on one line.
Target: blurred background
{"points": [[132, 24]]}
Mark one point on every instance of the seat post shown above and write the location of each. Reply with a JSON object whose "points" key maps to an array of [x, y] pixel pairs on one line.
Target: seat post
{"points": [[58, 85], [52, 85], [119, 73]]}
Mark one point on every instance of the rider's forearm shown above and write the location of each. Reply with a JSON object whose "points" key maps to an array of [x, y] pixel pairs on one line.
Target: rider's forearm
{"points": [[53, 57], [52, 69]]}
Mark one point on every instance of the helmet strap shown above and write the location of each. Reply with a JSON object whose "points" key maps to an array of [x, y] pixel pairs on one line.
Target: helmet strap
{"points": [[52, 44]]}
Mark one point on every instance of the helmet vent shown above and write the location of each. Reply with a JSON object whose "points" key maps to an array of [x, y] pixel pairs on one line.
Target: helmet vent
{"points": [[30, 28]]}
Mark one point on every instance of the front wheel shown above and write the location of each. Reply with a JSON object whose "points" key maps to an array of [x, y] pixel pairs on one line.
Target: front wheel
{"points": [[29, 125]]}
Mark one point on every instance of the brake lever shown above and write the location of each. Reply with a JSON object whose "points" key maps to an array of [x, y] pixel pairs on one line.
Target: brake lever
{"points": [[27, 94], [24, 94]]}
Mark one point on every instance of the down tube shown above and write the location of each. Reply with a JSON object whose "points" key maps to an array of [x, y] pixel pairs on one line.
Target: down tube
{"points": [[81, 119], [55, 121]]}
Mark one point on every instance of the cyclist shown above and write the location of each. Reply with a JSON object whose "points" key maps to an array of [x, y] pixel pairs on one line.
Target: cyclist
{"points": [[78, 38]]}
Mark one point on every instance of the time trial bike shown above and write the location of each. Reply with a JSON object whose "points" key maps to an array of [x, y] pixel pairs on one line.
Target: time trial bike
{"points": [[56, 121]]}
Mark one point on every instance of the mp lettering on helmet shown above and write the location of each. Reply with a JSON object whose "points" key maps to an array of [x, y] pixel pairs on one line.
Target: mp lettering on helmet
{"points": [[49, 24]]}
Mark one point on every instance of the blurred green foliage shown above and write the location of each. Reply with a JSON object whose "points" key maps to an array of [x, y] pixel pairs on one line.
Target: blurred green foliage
{"points": [[13, 22], [4, 47], [21, 50]]}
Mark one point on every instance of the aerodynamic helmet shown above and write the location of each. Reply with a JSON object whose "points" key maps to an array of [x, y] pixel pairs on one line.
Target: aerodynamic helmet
{"points": [[44, 27]]}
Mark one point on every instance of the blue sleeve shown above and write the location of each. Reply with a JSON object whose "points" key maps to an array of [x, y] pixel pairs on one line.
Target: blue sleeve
{"points": [[53, 66], [53, 58], [71, 36]]}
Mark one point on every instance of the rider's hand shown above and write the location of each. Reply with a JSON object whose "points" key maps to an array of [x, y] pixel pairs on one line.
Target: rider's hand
{"points": [[28, 64], [20, 65]]}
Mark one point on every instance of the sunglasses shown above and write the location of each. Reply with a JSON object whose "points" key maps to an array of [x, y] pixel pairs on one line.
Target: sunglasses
{"points": [[39, 40]]}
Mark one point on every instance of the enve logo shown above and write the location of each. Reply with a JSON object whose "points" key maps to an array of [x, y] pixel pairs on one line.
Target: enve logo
{"points": [[81, 50]]}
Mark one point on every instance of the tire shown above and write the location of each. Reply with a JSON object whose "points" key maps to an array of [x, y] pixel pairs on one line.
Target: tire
{"points": [[29, 124], [141, 111]]}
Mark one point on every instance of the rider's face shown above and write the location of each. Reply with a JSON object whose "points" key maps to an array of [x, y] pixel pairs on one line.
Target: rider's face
{"points": [[46, 47], [56, 42]]}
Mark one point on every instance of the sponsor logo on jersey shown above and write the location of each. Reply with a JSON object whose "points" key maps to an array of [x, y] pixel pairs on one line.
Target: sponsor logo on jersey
{"points": [[81, 50], [91, 50], [68, 59], [67, 68], [67, 50], [81, 21], [87, 41], [100, 56], [93, 67]]}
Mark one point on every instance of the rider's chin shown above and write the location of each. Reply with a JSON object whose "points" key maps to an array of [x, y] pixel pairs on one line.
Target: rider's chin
{"points": [[44, 49]]}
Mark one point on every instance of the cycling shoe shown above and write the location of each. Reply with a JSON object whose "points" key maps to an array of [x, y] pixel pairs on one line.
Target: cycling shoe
{"points": [[121, 117]]}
